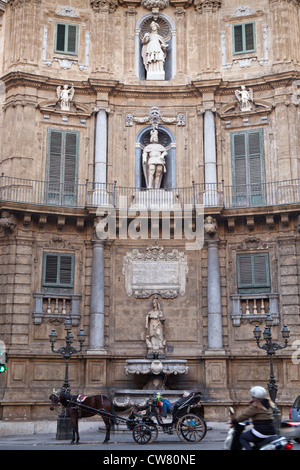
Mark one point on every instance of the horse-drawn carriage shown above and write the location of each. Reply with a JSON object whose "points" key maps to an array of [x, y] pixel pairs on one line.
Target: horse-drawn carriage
{"points": [[190, 427], [144, 423]]}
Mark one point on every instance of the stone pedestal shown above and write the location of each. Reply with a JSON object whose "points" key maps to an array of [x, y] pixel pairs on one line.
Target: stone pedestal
{"points": [[64, 429]]}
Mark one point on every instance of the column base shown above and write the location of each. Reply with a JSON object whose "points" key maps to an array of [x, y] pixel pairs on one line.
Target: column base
{"points": [[101, 352], [215, 352]]}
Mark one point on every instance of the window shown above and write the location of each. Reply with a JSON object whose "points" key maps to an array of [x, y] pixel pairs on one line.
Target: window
{"points": [[253, 273], [58, 270], [247, 167], [243, 38], [66, 38], [61, 174]]}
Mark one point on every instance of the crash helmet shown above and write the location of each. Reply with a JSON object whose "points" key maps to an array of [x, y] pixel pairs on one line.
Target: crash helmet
{"points": [[258, 392]]}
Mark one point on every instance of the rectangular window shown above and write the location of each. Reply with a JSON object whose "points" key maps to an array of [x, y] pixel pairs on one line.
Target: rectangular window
{"points": [[247, 167], [61, 173], [66, 38], [253, 273], [58, 270], [243, 38]]}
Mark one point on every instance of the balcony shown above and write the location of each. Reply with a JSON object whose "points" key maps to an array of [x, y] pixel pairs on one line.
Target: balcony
{"points": [[56, 308], [254, 308], [110, 195]]}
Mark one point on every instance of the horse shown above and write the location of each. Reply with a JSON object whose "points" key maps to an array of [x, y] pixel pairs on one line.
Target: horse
{"points": [[95, 404]]}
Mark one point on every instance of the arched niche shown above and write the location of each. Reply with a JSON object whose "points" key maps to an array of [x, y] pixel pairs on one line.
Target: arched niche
{"points": [[167, 139], [168, 32]]}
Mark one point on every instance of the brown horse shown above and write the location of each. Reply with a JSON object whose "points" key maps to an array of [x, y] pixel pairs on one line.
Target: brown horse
{"points": [[77, 408]]}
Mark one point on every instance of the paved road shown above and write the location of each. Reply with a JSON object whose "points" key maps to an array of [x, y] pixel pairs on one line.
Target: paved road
{"points": [[122, 444]]}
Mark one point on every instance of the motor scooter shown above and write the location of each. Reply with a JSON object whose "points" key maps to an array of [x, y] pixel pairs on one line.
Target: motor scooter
{"points": [[232, 441]]}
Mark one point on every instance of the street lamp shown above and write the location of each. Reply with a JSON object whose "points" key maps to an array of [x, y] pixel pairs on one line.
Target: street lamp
{"points": [[271, 347], [63, 424], [68, 350]]}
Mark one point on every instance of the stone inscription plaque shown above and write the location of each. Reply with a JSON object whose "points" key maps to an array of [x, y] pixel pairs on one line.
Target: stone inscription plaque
{"points": [[155, 272]]}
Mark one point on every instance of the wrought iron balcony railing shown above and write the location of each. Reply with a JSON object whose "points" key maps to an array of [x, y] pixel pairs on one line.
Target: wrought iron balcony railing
{"points": [[102, 195]]}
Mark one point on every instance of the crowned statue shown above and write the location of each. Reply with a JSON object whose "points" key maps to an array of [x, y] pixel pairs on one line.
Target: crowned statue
{"points": [[154, 163]]}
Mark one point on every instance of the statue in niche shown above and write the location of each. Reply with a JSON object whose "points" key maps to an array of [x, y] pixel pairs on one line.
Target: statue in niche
{"points": [[154, 163], [154, 330], [65, 96], [245, 98], [154, 53]]}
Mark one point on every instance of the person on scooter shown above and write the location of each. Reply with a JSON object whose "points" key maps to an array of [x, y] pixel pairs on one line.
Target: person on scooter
{"points": [[260, 411]]}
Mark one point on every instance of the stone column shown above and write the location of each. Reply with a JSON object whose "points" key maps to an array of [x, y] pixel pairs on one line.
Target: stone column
{"points": [[100, 195], [210, 159], [100, 147], [97, 298], [214, 309]]}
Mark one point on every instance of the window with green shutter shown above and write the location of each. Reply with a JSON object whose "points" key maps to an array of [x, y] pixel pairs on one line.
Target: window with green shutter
{"points": [[253, 273], [61, 172], [58, 271], [66, 38], [247, 167], [243, 38]]}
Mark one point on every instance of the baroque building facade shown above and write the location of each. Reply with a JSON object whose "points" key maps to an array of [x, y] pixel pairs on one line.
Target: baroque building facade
{"points": [[99, 99]]}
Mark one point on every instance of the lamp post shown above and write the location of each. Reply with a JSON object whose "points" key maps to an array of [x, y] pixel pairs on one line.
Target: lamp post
{"points": [[271, 347], [63, 423]]}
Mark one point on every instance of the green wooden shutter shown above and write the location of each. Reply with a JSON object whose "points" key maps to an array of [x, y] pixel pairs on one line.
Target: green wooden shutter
{"points": [[253, 273], [247, 167], [58, 271], [51, 271], [255, 167], [70, 165], [61, 172], [66, 270], [55, 167], [239, 169]]}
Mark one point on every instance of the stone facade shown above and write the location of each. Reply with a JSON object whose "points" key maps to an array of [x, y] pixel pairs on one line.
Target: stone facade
{"points": [[216, 51]]}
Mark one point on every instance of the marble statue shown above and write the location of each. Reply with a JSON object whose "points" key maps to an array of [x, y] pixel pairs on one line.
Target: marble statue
{"points": [[65, 96], [154, 53], [154, 329], [154, 163], [245, 98]]}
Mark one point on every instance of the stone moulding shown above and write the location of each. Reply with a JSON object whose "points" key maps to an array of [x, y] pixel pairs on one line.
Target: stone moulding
{"points": [[156, 367], [155, 272]]}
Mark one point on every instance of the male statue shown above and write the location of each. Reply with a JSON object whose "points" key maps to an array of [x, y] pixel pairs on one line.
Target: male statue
{"points": [[154, 163]]}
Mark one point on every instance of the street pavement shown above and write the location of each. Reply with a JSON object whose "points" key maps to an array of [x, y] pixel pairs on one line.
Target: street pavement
{"points": [[123, 445]]}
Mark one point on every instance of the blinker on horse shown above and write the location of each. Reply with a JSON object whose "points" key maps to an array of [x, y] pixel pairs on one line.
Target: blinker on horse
{"points": [[95, 404]]}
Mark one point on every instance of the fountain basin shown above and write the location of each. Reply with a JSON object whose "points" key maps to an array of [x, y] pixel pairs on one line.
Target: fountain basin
{"points": [[156, 366]]}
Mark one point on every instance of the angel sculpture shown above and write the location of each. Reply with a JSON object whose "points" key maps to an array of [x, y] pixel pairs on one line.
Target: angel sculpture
{"points": [[244, 97], [65, 96]]}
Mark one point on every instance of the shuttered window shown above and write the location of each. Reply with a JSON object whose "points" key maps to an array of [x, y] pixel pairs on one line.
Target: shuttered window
{"points": [[253, 273], [243, 38], [63, 147], [58, 270], [66, 39], [247, 167]]}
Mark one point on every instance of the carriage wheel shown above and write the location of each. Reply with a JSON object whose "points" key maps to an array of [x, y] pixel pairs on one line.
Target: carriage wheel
{"points": [[141, 433], [154, 432], [191, 428]]}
